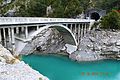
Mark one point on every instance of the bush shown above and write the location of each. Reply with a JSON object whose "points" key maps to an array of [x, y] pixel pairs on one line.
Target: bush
{"points": [[111, 21]]}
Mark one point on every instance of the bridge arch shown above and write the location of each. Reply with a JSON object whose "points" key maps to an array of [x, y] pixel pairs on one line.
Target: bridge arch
{"points": [[67, 34]]}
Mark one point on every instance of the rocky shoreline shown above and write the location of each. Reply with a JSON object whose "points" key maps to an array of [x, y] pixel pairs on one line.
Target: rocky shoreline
{"points": [[98, 45], [92, 46], [14, 69]]}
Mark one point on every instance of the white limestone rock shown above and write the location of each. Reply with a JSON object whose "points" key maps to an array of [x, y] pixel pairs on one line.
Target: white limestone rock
{"points": [[19, 71], [6, 56], [96, 43], [112, 41], [92, 39], [69, 48], [118, 43]]}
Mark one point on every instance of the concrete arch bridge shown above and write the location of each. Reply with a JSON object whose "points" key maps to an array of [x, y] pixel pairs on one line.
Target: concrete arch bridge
{"points": [[17, 31]]}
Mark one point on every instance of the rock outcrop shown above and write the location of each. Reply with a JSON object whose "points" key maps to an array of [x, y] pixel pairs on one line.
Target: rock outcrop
{"points": [[6, 56], [13, 69], [48, 41], [19, 71], [98, 45]]}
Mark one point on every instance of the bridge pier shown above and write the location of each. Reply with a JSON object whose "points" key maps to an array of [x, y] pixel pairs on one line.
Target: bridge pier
{"points": [[13, 41], [75, 33], [22, 29], [26, 32], [0, 37], [82, 31], [78, 33], [71, 27], [9, 35], [4, 37], [17, 30], [37, 27]]}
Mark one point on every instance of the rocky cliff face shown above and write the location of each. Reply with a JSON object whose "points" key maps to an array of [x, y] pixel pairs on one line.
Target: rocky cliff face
{"points": [[98, 45], [6, 56], [13, 69], [48, 41]]}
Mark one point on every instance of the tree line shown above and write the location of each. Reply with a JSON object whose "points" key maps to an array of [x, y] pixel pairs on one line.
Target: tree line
{"points": [[60, 8]]}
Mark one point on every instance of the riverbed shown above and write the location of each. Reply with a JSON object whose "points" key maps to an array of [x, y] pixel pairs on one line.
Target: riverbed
{"points": [[57, 67]]}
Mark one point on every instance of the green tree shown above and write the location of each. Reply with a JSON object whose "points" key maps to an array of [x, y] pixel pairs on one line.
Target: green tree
{"points": [[72, 9], [111, 21], [108, 5]]}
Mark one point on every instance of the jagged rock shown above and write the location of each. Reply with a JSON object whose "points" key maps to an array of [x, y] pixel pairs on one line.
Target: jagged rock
{"points": [[90, 45], [19, 71], [6, 56], [69, 48], [45, 42], [111, 49], [118, 43], [105, 41], [92, 39], [96, 43], [85, 56], [97, 47], [112, 41]]}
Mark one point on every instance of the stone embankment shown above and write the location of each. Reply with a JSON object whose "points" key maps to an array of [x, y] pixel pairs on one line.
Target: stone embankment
{"points": [[13, 69], [97, 45]]}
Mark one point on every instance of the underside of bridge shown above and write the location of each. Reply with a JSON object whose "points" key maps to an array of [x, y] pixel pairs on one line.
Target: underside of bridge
{"points": [[67, 35], [64, 31]]}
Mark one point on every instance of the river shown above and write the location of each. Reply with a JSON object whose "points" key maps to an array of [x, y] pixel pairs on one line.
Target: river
{"points": [[57, 67]]}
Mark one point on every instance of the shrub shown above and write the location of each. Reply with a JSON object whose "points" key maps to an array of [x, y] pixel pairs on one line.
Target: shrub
{"points": [[111, 21]]}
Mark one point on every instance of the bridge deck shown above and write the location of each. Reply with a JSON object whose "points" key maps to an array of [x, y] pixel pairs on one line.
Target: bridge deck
{"points": [[10, 21]]}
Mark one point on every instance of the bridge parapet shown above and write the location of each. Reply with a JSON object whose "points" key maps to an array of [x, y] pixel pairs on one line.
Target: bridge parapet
{"points": [[35, 20]]}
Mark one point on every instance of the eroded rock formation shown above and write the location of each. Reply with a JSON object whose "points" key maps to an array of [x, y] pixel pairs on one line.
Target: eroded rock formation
{"points": [[98, 45], [13, 69]]}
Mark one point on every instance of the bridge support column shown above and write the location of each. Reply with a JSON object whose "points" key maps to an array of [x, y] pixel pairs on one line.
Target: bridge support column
{"points": [[37, 27], [71, 27], [17, 30], [9, 35], [82, 31], [0, 37], [87, 25], [75, 33], [85, 29], [4, 36], [22, 29], [78, 33], [66, 25], [13, 41], [26, 32]]}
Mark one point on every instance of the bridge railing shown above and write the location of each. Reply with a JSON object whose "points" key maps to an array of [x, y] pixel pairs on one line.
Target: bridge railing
{"points": [[35, 20]]}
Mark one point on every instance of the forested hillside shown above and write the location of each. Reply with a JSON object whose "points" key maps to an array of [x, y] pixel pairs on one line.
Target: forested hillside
{"points": [[59, 8]]}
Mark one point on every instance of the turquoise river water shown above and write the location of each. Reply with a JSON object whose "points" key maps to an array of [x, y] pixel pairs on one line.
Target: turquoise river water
{"points": [[57, 67]]}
